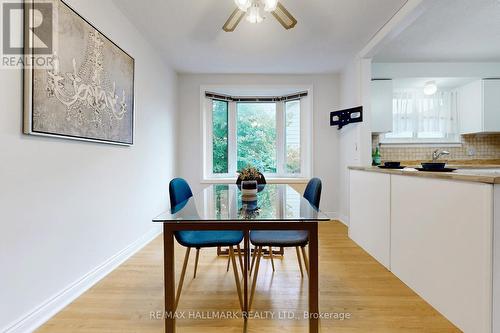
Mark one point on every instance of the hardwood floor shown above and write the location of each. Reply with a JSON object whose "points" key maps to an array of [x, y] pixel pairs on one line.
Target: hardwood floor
{"points": [[350, 282]]}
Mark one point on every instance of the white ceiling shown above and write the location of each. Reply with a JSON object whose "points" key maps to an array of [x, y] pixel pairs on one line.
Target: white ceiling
{"points": [[189, 34], [450, 30]]}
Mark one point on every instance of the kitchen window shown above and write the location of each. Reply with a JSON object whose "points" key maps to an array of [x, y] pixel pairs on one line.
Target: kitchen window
{"points": [[270, 133], [420, 118]]}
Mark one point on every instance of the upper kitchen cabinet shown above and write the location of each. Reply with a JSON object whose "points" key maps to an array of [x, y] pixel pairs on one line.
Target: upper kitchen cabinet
{"points": [[479, 106], [381, 99]]}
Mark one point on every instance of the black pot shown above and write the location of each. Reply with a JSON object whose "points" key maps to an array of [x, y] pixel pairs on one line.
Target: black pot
{"points": [[249, 185], [392, 164], [433, 166]]}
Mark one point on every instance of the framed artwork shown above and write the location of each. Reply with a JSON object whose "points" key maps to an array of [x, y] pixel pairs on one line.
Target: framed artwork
{"points": [[85, 91]]}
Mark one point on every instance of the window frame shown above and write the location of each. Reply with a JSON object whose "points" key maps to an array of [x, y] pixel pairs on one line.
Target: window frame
{"points": [[306, 122], [454, 139]]}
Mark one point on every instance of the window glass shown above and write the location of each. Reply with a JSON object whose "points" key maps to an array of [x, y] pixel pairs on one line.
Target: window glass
{"points": [[292, 136], [256, 136], [220, 137], [419, 118]]}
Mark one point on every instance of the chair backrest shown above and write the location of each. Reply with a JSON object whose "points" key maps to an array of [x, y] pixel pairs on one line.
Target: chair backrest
{"points": [[179, 191], [261, 181], [313, 192]]}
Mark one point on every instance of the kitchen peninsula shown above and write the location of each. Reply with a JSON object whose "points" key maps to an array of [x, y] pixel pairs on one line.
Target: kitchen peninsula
{"points": [[437, 232]]}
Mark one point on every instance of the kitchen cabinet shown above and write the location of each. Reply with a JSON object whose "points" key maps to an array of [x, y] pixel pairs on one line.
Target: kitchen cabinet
{"points": [[381, 105], [370, 213], [496, 262], [479, 106], [441, 237], [441, 246]]}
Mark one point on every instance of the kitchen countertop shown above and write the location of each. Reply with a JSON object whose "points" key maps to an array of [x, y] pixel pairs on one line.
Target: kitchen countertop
{"points": [[461, 164], [472, 173]]}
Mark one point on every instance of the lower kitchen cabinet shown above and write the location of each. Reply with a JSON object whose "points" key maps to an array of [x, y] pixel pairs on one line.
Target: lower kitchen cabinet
{"points": [[369, 216], [438, 236], [441, 246]]}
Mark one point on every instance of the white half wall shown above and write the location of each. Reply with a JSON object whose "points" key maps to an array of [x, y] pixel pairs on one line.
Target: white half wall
{"points": [[71, 208], [325, 138]]}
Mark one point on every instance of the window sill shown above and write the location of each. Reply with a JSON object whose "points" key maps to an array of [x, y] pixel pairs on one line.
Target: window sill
{"points": [[271, 180]]}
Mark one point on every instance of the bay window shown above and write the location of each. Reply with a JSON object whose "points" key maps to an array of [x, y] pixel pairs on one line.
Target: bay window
{"points": [[256, 136], [270, 133], [220, 130]]}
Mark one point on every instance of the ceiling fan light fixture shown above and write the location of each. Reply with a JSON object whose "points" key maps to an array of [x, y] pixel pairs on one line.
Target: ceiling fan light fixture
{"points": [[284, 17], [243, 4], [270, 5], [252, 11], [253, 15]]}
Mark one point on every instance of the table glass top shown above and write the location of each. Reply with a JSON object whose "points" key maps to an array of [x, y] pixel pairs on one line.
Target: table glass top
{"points": [[221, 202]]}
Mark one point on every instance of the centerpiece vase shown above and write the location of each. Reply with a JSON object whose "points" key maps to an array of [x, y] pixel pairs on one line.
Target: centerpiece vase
{"points": [[249, 189]]}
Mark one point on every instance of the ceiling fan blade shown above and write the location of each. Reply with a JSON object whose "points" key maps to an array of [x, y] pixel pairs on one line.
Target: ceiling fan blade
{"points": [[233, 20], [284, 17]]}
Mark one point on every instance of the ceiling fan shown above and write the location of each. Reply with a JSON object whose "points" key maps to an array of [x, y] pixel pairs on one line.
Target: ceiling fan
{"points": [[252, 10]]}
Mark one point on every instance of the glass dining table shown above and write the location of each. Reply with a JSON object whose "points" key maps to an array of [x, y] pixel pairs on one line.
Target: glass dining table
{"points": [[221, 207]]}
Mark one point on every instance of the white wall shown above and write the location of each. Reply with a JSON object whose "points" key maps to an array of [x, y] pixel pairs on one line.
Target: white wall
{"points": [[68, 206], [349, 137], [355, 139], [325, 138]]}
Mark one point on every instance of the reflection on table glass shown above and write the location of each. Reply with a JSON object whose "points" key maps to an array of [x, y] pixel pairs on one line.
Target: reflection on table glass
{"points": [[275, 202]]}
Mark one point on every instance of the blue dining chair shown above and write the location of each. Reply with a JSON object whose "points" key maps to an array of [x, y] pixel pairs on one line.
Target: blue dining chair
{"points": [[180, 192], [293, 238]]}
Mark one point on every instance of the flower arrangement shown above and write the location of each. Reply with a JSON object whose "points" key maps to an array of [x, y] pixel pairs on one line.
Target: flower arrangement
{"points": [[250, 173]]}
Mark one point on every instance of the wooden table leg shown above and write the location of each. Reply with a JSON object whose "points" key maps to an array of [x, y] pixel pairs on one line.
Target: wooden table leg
{"points": [[169, 278], [246, 266], [313, 279]]}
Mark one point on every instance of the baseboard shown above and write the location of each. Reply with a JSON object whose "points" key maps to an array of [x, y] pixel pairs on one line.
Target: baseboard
{"points": [[338, 217], [47, 310], [343, 218]]}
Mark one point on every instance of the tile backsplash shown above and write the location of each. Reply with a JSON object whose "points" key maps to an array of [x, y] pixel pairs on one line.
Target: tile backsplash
{"points": [[474, 147]]}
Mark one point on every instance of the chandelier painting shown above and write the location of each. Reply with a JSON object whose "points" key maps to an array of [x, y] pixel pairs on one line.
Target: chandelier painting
{"points": [[87, 90]]}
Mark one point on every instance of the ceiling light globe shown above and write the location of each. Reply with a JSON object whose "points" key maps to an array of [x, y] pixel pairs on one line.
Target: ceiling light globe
{"points": [[243, 4], [270, 5], [253, 15], [430, 88]]}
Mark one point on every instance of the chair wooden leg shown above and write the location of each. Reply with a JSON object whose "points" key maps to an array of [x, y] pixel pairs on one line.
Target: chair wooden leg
{"points": [[240, 258], [300, 261], [196, 263], [271, 255], [183, 274], [306, 261], [236, 276], [253, 260], [255, 274]]}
